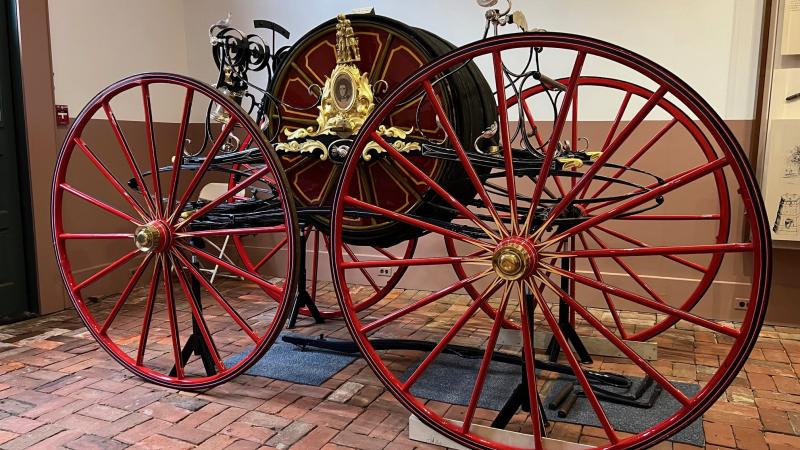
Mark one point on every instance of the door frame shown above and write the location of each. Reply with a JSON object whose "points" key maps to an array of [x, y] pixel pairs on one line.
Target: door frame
{"points": [[23, 165]]}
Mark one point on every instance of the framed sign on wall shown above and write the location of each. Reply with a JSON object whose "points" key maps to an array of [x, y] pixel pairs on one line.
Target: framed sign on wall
{"points": [[779, 139]]}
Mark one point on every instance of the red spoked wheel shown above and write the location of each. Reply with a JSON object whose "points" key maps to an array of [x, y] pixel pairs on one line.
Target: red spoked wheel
{"points": [[128, 228], [524, 232], [713, 221], [373, 285]]}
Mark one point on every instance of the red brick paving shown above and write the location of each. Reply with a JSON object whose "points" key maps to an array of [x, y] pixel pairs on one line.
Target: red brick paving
{"points": [[62, 391]]}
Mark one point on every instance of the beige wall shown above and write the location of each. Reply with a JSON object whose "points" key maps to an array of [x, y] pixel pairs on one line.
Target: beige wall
{"points": [[97, 42], [721, 66]]}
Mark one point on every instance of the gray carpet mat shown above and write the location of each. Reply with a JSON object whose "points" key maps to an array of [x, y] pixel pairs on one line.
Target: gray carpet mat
{"points": [[288, 362], [450, 379]]}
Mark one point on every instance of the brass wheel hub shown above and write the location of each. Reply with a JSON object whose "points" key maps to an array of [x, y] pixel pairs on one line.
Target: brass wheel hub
{"points": [[151, 237], [513, 260]]}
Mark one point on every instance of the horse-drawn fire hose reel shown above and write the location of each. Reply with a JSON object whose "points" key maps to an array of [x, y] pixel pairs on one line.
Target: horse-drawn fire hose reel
{"points": [[478, 170]]}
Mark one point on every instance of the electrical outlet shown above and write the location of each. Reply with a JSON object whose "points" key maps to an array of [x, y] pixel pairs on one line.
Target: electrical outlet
{"points": [[741, 304], [385, 272]]}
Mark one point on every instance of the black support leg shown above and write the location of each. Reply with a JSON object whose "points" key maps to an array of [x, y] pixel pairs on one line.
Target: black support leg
{"points": [[195, 345], [303, 298]]}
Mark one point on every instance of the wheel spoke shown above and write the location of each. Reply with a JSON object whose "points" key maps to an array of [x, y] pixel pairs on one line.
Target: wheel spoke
{"points": [[647, 188], [575, 117], [660, 307], [166, 273], [355, 260], [178, 158], [505, 137], [657, 251], [462, 155], [552, 146], [526, 313], [198, 317], [588, 176], [233, 231], [535, 129], [486, 361], [148, 312], [670, 217], [414, 222], [126, 292], [315, 264], [385, 253], [270, 288], [620, 344], [633, 241], [409, 166], [126, 151], [609, 302], [95, 236], [216, 295], [636, 156], [432, 261], [425, 301], [108, 269], [151, 146], [676, 182], [617, 120], [111, 178], [576, 367], [451, 334], [224, 197], [212, 153], [271, 253], [104, 206]]}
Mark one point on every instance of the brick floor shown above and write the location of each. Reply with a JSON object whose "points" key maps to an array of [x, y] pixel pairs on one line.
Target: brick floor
{"points": [[58, 389]]}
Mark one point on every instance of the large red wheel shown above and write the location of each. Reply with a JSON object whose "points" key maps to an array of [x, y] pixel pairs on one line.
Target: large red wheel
{"points": [[716, 213], [524, 235], [128, 228]]}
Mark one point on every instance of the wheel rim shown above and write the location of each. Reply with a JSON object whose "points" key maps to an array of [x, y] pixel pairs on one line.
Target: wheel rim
{"points": [[499, 243], [677, 117], [160, 213]]}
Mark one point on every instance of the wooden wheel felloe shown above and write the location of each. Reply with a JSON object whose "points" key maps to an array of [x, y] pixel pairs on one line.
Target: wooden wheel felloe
{"points": [[534, 211], [128, 228]]}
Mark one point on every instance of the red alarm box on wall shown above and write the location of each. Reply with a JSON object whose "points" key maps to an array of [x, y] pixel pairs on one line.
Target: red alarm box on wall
{"points": [[62, 115]]}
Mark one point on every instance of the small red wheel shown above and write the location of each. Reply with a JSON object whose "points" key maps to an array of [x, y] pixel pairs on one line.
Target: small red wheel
{"points": [[524, 233], [599, 89], [129, 251]]}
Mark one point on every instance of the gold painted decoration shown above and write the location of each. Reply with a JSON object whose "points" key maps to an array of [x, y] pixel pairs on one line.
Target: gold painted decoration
{"points": [[401, 146], [307, 146], [347, 100]]}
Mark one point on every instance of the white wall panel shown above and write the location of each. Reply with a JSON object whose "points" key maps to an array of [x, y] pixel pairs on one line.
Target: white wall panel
{"points": [[97, 42], [712, 44]]}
